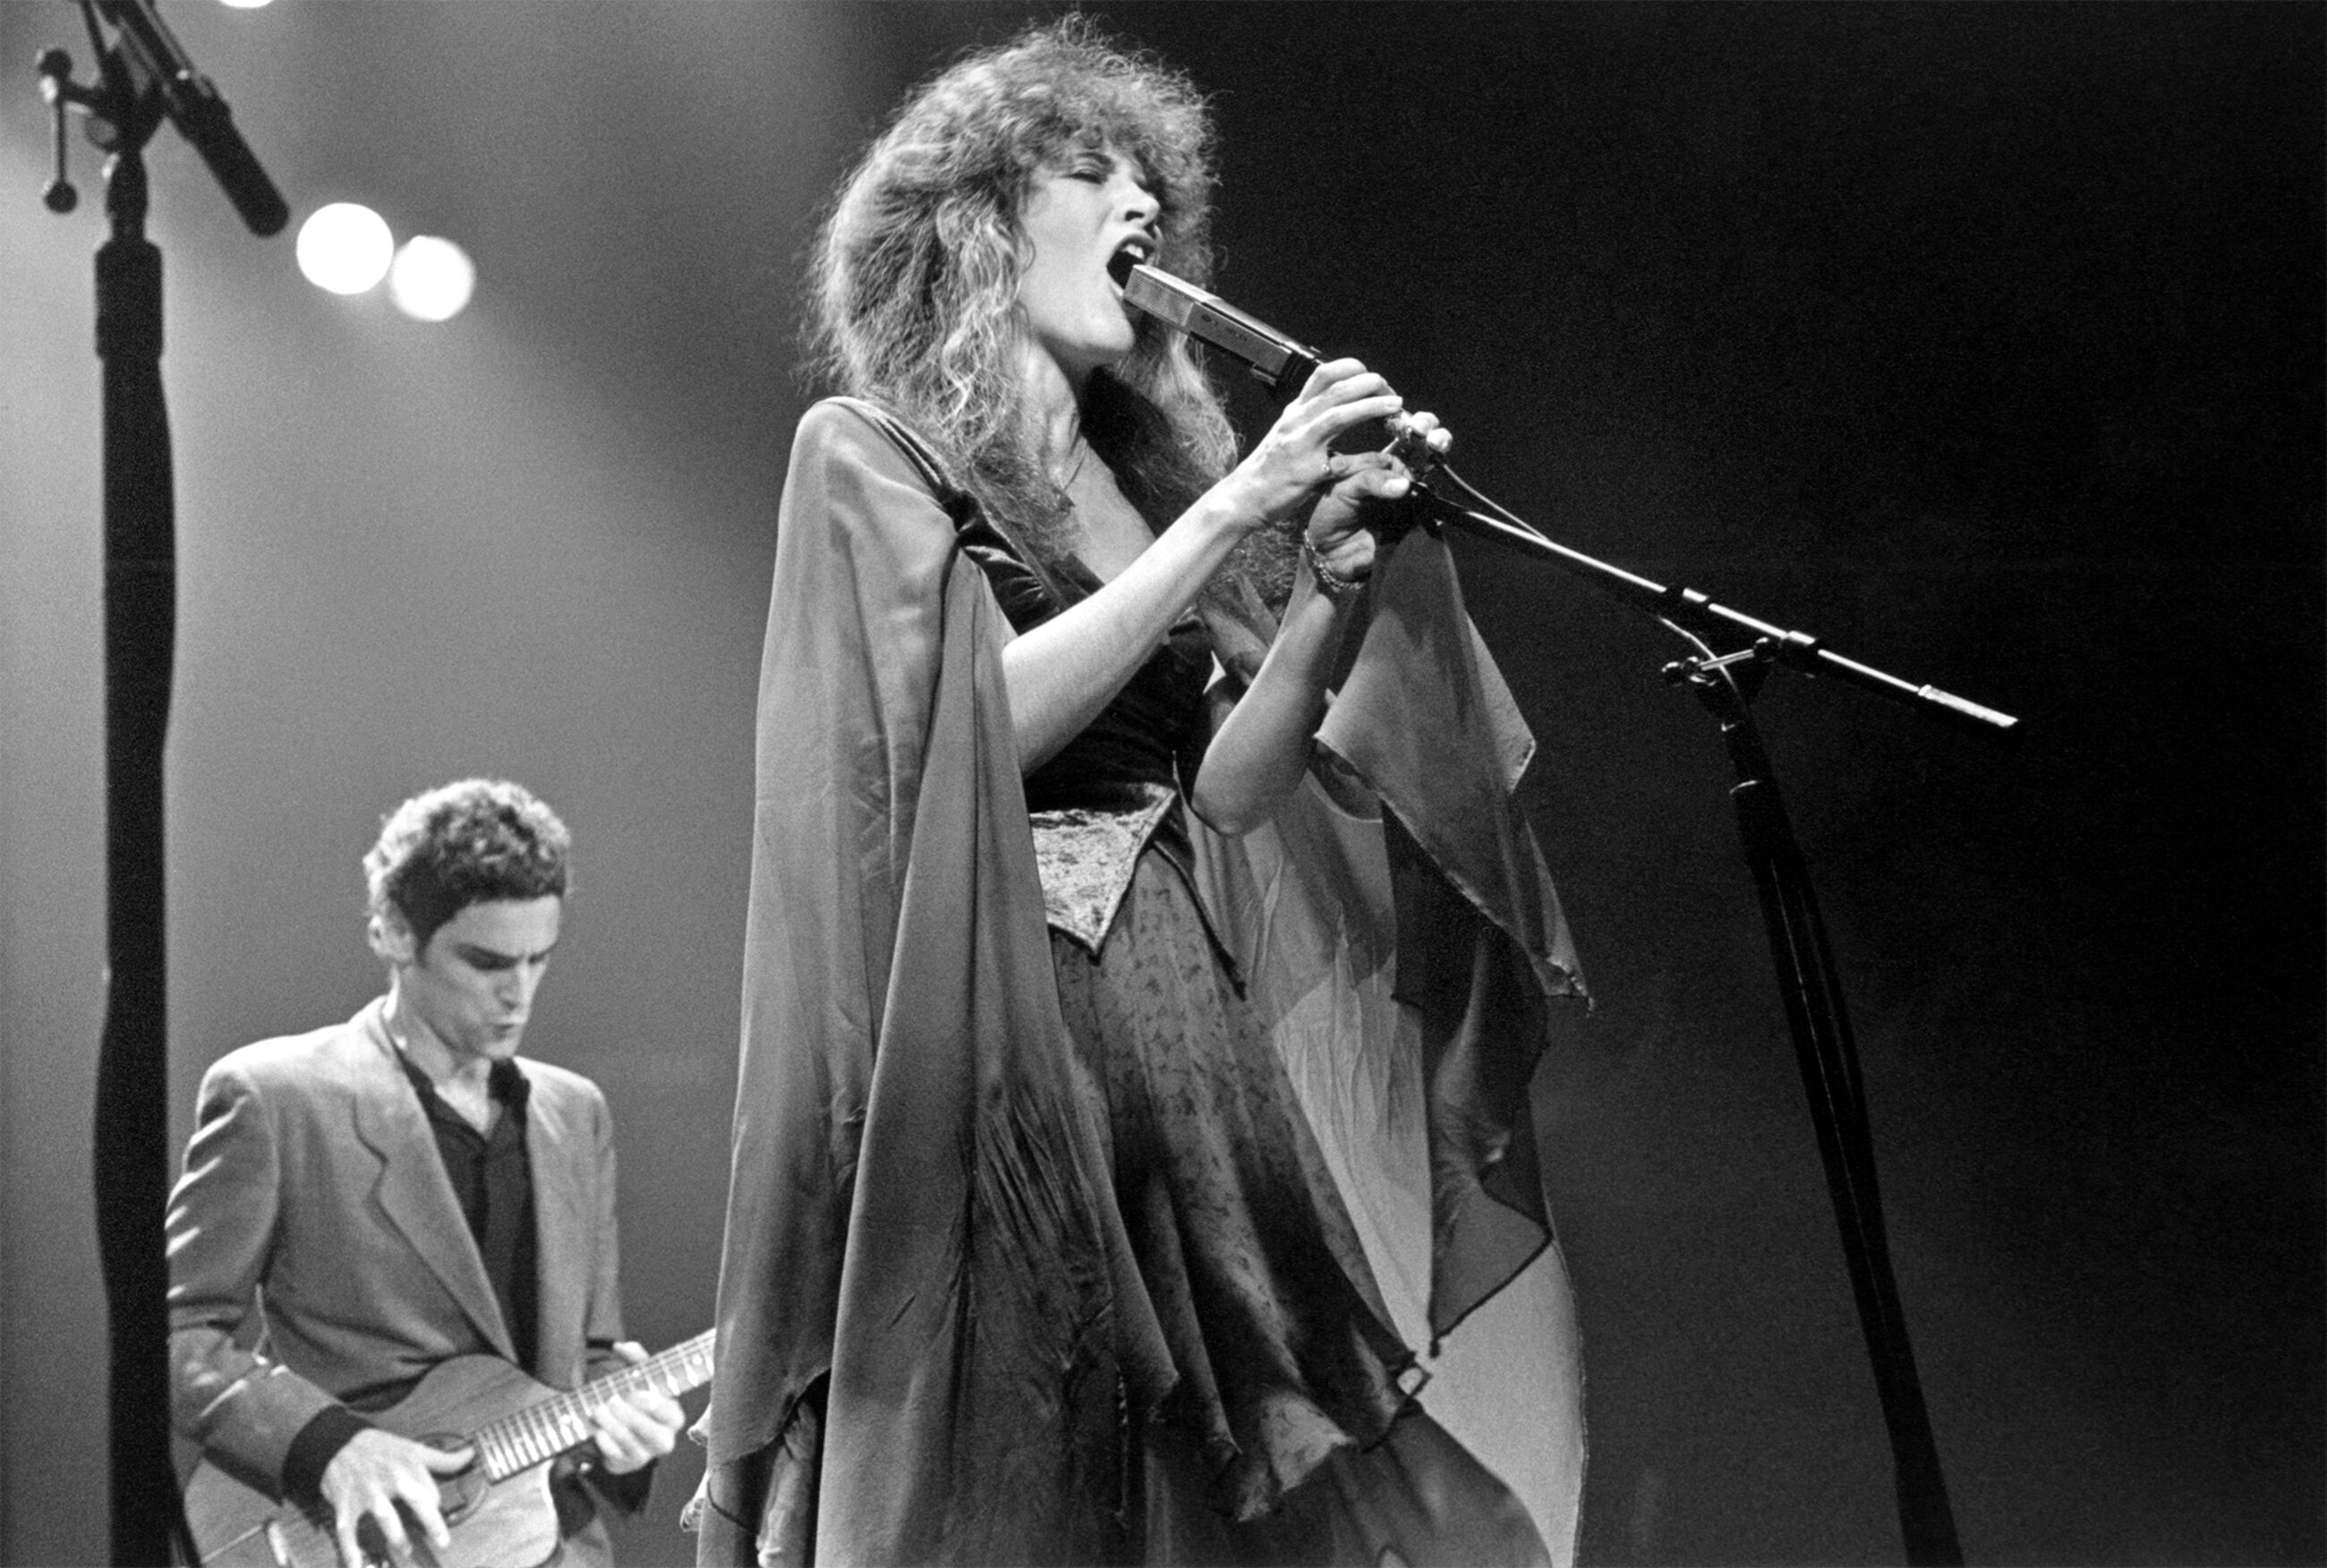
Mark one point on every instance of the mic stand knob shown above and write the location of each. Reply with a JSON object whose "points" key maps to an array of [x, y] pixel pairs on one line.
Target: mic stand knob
{"points": [[61, 92], [58, 87]]}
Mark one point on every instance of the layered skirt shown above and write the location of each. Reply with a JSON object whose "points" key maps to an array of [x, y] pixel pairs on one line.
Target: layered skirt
{"points": [[1291, 1434]]}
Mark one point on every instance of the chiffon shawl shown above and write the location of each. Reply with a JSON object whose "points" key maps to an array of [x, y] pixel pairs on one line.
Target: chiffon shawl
{"points": [[920, 1208]]}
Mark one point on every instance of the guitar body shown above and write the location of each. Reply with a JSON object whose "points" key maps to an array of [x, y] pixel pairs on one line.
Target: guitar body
{"points": [[511, 1524]]}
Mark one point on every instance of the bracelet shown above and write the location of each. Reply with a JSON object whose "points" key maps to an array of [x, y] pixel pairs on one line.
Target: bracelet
{"points": [[1334, 585]]}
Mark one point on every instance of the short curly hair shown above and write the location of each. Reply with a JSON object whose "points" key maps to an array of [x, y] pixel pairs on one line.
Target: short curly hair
{"points": [[470, 842]]}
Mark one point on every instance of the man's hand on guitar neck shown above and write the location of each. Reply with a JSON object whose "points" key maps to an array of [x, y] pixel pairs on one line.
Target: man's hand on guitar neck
{"points": [[638, 1427], [374, 1472]]}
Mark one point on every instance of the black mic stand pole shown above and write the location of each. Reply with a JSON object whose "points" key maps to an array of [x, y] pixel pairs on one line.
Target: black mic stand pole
{"points": [[1827, 1055], [130, 1149], [1824, 1046]]}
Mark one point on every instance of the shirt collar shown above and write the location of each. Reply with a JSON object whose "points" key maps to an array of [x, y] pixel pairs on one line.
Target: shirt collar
{"points": [[506, 1081]]}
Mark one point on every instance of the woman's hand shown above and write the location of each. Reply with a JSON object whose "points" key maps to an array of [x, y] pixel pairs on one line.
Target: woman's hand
{"points": [[1342, 526], [1064, 671], [1286, 469], [1261, 749]]}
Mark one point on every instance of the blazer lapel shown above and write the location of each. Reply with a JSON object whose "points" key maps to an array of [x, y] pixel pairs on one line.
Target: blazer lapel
{"points": [[555, 1149], [417, 1196]]}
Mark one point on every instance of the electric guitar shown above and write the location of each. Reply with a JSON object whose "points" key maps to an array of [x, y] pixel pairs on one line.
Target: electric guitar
{"points": [[498, 1510]]}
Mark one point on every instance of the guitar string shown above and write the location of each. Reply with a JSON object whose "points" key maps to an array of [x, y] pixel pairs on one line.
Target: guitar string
{"points": [[546, 1425]]}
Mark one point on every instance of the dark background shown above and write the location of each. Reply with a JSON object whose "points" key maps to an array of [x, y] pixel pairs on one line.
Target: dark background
{"points": [[1984, 341]]}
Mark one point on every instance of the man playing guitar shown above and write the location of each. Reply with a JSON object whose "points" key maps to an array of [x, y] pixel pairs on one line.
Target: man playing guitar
{"points": [[369, 1201]]}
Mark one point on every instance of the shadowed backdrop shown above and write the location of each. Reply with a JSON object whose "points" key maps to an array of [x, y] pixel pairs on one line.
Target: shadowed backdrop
{"points": [[1983, 342]]}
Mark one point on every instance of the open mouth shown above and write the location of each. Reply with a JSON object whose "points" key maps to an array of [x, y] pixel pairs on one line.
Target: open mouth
{"points": [[1133, 252]]}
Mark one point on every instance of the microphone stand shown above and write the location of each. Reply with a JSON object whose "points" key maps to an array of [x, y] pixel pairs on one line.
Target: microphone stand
{"points": [[134, 92], [1824, 1046]]}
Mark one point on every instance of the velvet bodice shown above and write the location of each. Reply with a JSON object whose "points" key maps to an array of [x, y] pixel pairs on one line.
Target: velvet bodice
{"points": [[1140, 737]]}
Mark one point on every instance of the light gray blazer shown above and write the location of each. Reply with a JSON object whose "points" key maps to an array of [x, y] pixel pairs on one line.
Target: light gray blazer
{"points": [[313, 1194]]}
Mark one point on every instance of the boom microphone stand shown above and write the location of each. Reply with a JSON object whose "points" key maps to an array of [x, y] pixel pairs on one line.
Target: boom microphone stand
{"points": [[144, 78], [1824, 1048]]}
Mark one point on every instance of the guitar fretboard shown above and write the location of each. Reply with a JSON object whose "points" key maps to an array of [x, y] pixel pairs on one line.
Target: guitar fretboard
{"points": [[549, 1427]]}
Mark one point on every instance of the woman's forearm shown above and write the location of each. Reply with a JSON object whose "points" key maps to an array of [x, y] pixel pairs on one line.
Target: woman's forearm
{"points": [[1261, 750], [1063, 673]]}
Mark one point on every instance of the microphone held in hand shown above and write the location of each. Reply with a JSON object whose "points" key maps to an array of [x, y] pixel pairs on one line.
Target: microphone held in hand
{"points": [[1276, 358], [1282, 362]]}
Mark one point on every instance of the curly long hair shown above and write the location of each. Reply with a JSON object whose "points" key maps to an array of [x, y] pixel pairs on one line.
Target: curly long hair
{"points": [[914, 284]]}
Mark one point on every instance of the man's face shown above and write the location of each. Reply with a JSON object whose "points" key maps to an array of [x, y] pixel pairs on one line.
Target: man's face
{"points": [[472, 985]]}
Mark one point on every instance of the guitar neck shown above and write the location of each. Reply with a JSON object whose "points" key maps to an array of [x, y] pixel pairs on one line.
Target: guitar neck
{"points": [[549, 1427]]}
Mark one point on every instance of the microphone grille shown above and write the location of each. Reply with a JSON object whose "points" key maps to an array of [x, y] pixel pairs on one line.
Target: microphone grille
{"points": [[1160, 294]]}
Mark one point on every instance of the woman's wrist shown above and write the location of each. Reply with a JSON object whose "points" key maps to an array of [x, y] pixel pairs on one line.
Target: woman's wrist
{"points": [[1228, 509], [1332, 582]]}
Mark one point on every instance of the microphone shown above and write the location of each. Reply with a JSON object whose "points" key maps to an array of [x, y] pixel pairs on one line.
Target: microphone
{"points": [[1282, 362], [200, 115]]}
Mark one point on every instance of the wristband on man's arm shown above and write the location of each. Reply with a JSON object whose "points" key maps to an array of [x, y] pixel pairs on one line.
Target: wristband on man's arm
{"points": [[312, 1451]]}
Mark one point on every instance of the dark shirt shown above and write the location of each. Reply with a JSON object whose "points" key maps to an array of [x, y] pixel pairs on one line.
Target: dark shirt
{"points": [[492, 1178]]}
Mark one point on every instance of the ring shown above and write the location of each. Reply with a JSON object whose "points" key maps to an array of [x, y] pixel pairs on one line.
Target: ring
{"points": [[1332, 468]]}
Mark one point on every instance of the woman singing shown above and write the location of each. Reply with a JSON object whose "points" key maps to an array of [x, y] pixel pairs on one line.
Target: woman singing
{"points": [[1094, 1198]]}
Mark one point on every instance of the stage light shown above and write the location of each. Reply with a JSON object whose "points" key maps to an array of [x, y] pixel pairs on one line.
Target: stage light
{"points": [[243, 4], [432, 279], [345, 248]]}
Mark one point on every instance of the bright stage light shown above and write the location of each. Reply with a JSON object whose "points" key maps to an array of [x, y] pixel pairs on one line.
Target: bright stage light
{"points": [[432, 279], [243, 4], [344, 247]]}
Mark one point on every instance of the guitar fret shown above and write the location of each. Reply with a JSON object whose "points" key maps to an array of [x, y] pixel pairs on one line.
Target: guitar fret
{"points": [[535, 1451], [547, 1428]]}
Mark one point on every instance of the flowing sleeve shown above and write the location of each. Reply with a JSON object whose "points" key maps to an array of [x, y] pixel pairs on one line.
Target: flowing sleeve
{"points": [[915, 1209], [1411, 957], [1438, 901], [1483, 948], [846, 677]]}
